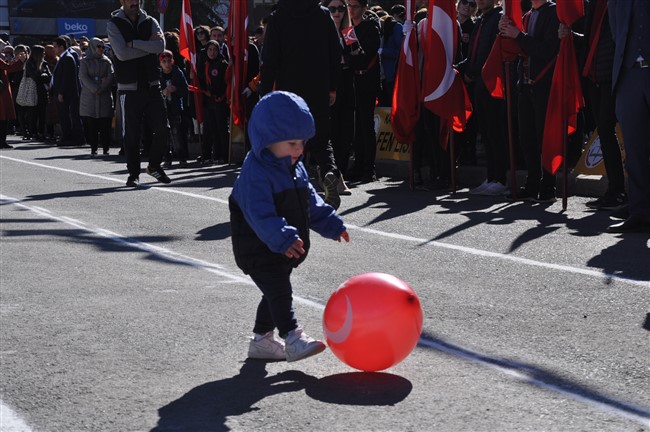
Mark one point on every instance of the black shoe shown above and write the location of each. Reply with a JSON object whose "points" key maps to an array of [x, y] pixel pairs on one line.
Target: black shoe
{"points": [[523, 194], [621, 212], [546, 196], [93, 152], [608, 202], [183, 164], [159, 174], [167, 164], [133, 181], [105, 153], [369, 178], [634, 223]]}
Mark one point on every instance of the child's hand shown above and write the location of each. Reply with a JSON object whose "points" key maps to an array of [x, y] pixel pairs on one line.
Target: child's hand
{"points": [[345, 236], [295, 250]]}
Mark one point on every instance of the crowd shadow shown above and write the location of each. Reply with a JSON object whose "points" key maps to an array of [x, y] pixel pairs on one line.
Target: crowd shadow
{"points": [[533, 375], [628, 258], [208, 406], [220, 231]]}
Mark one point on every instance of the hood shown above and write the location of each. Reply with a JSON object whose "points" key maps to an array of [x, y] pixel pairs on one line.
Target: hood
{"points": [[91, 52], [279, 116], [299, 8], [120, 14]]}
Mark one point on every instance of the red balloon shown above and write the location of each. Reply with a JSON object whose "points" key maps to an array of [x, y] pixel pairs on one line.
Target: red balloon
{"points": [[372, 321]]}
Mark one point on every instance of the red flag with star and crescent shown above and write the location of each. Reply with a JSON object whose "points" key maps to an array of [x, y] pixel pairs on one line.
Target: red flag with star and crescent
{"points": [[188, 50], [406, 95], [565, 99], [442, 88], [503, 50]]}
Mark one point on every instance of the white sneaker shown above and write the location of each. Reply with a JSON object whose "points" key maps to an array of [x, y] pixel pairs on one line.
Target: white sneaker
{"points": [[478, 189], [299, 345], [266, 347], [494, 188]]}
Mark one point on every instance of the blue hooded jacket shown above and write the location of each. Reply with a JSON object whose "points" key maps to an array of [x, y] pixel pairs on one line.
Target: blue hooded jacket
{"points": [[272, 202]]}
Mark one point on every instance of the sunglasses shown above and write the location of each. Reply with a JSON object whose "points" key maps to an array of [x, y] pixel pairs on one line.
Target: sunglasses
{"points": [[470, 3], [335, 9]]}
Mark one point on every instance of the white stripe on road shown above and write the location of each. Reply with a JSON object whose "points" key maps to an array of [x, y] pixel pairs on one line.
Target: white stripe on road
{"points": [[607, 277], [519, 371], [10, 422]]}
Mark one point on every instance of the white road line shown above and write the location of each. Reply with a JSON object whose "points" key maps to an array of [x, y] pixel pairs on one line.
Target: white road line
{"points": [[10, 421], [607, 277], [520, 372]]}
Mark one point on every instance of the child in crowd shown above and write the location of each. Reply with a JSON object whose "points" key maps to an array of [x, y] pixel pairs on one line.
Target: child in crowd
{"points": [[272, 207], [174, 90]]}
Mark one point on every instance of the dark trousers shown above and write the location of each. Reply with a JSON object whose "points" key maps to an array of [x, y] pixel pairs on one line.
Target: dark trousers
{"points": [[3, 132], [98, 130], [365, 140], [177, 139], [342, 133], [216, 129], [532, 103], [491, 112], [138, 107], [632, 109], [276, 307], [603, 109], [319, 147], [71, 127], [35, 120]]}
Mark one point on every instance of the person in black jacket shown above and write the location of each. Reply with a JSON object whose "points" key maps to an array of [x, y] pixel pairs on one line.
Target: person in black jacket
{"points": [[137, 40], [216, 127], [37, 69], [174, 90], [363, 58], [66, 90], [541, 45], [490, 111], [302, 54]]}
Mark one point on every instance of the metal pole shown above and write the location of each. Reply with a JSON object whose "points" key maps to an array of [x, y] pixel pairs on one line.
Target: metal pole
{"points": [[565, 180], [452, 158], [511, 141]]}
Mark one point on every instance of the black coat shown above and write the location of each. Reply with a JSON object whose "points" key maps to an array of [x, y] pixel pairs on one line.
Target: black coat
{"points": [[301, 52], [367, 63], [541, 49]]}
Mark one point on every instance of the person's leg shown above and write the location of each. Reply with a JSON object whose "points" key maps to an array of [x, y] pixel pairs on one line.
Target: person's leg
{"points": [[223, 132], [64, 121], [541, 94], [156, 117], [131, 122], [603, 108], [3, 134], [528, 140], [632, 102], [277, 291], [366, 108], [75, 122], [105, 133], [91, 128]]}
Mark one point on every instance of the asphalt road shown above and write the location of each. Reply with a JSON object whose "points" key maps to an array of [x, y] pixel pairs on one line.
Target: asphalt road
{"points": [[123, 310]]}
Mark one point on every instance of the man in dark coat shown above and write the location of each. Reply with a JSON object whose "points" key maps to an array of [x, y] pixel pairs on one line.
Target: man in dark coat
{"points": [[302, 54], [628, 20], [66, 90]]}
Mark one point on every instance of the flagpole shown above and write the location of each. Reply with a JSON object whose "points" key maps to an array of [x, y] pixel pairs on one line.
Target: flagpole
{"points": [[511, 141], [565, 180], [452, 158], [411, 168]]}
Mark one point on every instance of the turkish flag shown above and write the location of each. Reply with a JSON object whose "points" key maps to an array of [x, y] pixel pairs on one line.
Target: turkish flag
{"points": [[565, 99], [443, 90], [237, 69], [188, 50], [406, 95], [503, 50]]}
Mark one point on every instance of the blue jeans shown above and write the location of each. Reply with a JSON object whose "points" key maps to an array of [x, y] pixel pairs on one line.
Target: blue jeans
{"points": [[276, 307]]}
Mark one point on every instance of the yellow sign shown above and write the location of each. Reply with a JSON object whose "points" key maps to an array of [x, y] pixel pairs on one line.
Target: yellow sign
{"points": [[591, 161], [387, 146]]}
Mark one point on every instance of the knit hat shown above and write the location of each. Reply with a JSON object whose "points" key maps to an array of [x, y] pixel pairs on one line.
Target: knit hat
{"points": [[280, 116]]}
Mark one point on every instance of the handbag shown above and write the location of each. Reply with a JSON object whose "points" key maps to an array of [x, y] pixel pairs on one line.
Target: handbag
{"points": [[27, 96]]}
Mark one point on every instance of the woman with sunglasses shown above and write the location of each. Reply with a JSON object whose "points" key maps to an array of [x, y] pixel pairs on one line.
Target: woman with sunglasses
{"points": [[342, 112], [363, 58], [96, 101]]}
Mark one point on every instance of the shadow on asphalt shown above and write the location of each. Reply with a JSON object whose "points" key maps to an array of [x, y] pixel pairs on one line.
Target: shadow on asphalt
{"points": [[616, 259], [220, 231], [208, 406]]}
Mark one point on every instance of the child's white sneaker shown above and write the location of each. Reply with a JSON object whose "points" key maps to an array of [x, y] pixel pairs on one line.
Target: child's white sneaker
{"points": [[299, 345], [266, 347]]}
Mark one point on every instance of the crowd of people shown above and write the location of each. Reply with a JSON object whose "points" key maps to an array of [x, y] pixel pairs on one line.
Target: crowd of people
{"points": [[342, 71]]}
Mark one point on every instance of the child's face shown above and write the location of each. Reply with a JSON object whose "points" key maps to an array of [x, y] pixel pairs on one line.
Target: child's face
{"points": [[166, 64], [293, 148]]}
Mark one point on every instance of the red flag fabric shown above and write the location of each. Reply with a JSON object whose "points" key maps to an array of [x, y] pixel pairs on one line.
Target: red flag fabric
{"points": [[565, 99], [443, 90], [237, 69], [188, 50], [406, 95], [503, 50]]}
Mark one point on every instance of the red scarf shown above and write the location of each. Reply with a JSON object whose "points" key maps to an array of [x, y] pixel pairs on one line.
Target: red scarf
{"points": [[594, 36]]}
